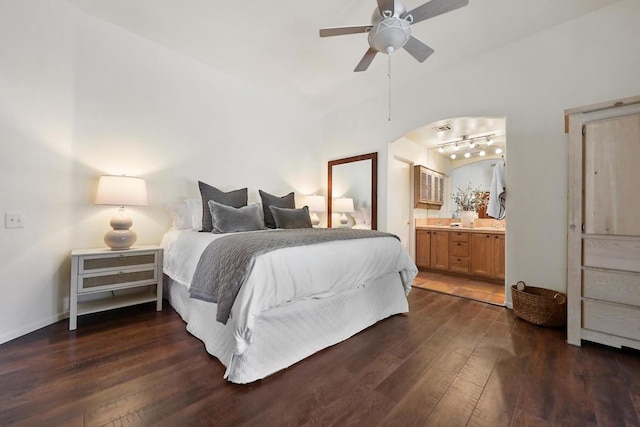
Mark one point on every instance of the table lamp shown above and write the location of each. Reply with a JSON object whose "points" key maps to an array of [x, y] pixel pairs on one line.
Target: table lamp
{"points": [[121, 191], [316, 204], [344, 205]]}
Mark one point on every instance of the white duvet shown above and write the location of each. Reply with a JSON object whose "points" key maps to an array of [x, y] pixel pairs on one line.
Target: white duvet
{"points": [[291, 274]]}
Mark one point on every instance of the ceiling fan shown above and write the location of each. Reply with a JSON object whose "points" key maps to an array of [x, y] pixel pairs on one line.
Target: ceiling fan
{"points": [[390, 28]]}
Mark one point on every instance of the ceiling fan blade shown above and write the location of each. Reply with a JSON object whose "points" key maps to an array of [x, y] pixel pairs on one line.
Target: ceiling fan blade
{"points": [[417, 49], [341, 31], [386, 5], [366, 60], [435, 8]]}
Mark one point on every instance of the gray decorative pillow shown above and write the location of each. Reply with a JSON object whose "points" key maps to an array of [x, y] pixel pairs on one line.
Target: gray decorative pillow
{"points": [[227, 219], [288, 202], [235, 198], [291, 218]]}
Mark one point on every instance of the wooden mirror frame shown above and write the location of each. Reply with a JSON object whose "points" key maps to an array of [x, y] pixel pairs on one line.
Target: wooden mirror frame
{"points": [[373, 157]]}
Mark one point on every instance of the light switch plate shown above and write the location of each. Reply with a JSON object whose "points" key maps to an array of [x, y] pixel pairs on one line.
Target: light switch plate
{"points": [[13, 220]]}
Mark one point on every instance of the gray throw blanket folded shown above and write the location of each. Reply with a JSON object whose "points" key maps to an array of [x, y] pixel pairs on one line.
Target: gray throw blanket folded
{"points": [[226, 262]]}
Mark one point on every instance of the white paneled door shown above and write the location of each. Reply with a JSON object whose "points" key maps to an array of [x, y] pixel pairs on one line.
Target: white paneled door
{"points": [[400, 202]]}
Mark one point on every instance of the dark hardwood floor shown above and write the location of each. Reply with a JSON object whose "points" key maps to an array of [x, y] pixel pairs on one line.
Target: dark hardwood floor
{"points": [[450, 362]]}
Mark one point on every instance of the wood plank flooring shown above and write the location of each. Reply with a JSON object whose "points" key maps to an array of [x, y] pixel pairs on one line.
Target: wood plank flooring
{"points": [[449, 362]]}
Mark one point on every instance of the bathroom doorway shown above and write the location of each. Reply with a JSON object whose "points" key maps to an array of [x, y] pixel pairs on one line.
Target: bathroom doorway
{"points": [[457, 144]]}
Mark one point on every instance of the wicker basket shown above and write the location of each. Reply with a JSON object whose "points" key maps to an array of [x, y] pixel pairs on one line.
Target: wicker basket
{"points": [[539, 306]]}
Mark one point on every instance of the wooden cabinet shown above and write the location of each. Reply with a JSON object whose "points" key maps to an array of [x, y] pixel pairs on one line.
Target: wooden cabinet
{"points": [[129, 277], [498, 264], [423, 248], [459, 251], [603, 247], [470, 253], [428, 188], [487, 255], [440, 250], [481, 254]]}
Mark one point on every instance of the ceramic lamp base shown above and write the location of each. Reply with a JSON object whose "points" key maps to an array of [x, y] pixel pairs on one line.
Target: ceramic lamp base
{"points": [[120, 237]]}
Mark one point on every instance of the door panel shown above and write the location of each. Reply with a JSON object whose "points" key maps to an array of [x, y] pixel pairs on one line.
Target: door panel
{"points": [[612, 176]]}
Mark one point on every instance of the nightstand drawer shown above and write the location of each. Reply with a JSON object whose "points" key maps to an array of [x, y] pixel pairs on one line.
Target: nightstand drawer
{"points": [[116, 280], [116, 261]]}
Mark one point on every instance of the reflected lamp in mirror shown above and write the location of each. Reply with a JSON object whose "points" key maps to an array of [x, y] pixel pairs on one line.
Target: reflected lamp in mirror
{"points": [[344, 205], [121, 191], [315, 204]]}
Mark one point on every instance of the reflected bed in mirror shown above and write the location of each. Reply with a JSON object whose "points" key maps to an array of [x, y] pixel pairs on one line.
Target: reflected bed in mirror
{"points": [[354, 178]]}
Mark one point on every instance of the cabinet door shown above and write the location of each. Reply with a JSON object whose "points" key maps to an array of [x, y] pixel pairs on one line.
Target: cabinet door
{"points": [[497, 270], [481, 254], [440, 250], [420, 186], [611, 176], [438, 189], [423, 248]]}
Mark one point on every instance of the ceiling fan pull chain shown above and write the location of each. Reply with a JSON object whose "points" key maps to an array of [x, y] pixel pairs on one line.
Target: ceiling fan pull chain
{"points": [[389, 74]]}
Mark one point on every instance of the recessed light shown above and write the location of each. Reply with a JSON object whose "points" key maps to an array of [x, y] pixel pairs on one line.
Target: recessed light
{"points": [[453, 156], [498, 150], [441, 149], [482, 153], [467, 155]]}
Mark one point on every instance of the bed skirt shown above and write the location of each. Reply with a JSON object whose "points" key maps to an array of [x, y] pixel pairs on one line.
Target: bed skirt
{"points": [[289, 333]]}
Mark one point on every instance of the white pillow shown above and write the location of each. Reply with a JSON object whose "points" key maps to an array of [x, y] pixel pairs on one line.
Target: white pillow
{"points": [[367, 215], [186, 215], [181, 216], [358, 217], [195, 205]]}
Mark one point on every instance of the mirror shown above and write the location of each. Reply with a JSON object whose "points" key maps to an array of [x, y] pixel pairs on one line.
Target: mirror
{"points": [[354, 178]]}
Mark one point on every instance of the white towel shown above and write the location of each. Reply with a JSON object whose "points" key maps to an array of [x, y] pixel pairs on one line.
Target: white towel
{"points": [[497, 193]]}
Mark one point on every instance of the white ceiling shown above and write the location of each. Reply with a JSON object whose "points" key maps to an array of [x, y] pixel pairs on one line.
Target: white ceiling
{"points": [[275, 43]]}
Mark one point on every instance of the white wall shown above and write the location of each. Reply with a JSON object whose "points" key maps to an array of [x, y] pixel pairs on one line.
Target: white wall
{"points": [[532, 81], [82, 98]]}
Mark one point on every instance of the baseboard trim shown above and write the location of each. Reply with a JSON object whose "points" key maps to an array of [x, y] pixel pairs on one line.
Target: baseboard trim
{"points": [[32, 327]]}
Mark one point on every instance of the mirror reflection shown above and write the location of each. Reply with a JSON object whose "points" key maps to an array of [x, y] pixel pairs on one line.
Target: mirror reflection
{"points": [[352, 192]]}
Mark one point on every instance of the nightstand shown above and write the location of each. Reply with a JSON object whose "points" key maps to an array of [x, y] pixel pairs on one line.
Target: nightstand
{"points": [[104, 279]]}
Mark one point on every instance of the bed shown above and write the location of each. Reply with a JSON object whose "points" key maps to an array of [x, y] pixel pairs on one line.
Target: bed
{"points": [[294, 302]]}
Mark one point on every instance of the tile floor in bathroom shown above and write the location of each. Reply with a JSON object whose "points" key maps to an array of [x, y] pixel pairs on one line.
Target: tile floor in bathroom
{"points": [[478, 290]]}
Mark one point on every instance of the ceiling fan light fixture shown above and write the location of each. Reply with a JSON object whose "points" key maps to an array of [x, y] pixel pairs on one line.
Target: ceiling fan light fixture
{"points": [[389, 35]]}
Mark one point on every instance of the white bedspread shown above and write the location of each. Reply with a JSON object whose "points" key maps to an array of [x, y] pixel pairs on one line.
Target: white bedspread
{"points": [[291, 274]]}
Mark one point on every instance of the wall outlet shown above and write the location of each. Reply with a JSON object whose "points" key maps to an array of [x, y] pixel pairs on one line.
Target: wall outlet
{"points": [[13, 220]]}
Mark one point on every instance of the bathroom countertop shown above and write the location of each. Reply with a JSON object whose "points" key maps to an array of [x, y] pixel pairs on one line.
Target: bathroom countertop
{"points": [[466, 229]]}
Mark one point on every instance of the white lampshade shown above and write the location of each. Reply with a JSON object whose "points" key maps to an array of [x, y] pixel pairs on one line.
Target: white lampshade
{"points": [[316, 203], [121, 191], [343, 204]]}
